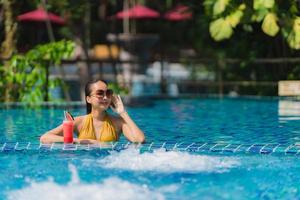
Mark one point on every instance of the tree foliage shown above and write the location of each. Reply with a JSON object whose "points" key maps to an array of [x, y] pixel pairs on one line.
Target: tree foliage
{"points": [[273, 16], [23, 79]]}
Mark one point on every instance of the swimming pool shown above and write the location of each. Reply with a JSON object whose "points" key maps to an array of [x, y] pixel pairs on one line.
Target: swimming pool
{"points": [[132, 173]]}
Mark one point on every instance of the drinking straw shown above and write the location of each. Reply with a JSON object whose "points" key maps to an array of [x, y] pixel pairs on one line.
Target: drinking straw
{"points": [[65, 115]]}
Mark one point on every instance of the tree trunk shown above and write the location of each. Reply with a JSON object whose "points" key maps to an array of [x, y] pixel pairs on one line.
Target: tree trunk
{"points": [[9, 44]]}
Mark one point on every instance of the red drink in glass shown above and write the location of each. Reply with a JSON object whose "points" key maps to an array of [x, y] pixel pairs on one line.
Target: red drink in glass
{"points": [[68, 131]]}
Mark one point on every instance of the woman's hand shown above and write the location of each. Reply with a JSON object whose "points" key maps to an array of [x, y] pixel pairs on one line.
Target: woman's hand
{"points": [[85, 141], [118, 105]]}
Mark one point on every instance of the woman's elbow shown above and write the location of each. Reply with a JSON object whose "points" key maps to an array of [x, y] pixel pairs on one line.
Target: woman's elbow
{"points": [[44, 139], [140, 139]]}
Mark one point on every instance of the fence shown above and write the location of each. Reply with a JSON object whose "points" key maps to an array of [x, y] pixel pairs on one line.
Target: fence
{"points": [[219, 83]]}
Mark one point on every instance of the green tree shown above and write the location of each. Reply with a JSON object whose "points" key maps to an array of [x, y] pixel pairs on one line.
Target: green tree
{"points": [[226, 15], [10, 27], [25, 77]]}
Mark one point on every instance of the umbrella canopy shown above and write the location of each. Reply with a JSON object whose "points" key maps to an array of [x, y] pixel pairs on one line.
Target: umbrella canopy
{"points": [[137, 12], [179, 13], [40, 15]]}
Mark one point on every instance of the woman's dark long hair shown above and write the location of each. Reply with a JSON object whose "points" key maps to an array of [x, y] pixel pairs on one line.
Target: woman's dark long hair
{"points": [[88, 91]]}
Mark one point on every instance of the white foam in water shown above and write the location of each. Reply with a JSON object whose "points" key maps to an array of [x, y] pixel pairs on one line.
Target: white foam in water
{"points": [[110, 188], [116, 188], [166, 161]]}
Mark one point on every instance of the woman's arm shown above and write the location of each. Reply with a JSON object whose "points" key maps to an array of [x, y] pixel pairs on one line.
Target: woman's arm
{"points": [[131, 131], [56, 134], [86, 141]]}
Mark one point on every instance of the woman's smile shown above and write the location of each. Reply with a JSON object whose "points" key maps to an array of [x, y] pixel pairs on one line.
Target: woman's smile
{"points": [[106, 103]]}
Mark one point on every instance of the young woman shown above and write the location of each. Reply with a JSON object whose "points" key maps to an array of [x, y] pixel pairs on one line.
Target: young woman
{"points": [[98, 125]]}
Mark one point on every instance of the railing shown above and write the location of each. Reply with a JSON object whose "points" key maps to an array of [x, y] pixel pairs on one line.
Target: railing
{"points": [[217, 66]]}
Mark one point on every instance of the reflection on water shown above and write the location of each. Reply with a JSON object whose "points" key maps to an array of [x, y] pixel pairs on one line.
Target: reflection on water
{"points": [[288, 117], [288, 110]]}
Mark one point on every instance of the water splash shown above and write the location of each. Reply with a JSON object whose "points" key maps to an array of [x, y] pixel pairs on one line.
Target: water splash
{"points": [[110, 188], [167, 161]]}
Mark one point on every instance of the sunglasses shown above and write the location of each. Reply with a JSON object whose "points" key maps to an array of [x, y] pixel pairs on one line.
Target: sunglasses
{"points": [[101, 93]]}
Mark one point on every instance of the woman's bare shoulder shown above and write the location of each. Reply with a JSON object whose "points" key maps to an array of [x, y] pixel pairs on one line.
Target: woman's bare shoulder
{"points": [[79, 119]]}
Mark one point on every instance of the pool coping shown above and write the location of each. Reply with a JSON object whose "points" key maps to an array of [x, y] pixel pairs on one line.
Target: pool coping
{"points": [[196, 147]]}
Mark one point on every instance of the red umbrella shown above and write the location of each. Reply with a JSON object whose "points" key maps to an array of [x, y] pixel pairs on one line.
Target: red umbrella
{"points": [[179, 13], [137, 12], [40, 15]]}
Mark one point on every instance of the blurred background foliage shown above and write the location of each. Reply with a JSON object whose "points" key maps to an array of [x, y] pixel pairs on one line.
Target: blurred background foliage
{"points": [[24, 77], [217, 25], [219, 29]]}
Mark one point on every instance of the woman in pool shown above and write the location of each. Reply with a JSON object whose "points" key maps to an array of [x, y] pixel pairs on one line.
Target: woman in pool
{"points": [[98, 125]]}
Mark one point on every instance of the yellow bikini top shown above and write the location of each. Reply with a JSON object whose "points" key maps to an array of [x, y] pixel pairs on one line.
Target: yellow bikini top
{"points": [[107, 132]]}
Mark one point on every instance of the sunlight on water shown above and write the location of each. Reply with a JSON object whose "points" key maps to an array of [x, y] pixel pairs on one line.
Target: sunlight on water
{"points": [[288, 111], [167, 161], [110, 188]]}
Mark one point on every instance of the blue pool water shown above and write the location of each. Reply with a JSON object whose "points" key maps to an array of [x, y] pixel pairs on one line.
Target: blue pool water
{"points": [[160, 174]]}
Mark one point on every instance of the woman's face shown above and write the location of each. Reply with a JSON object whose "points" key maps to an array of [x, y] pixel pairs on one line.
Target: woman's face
{"points": [[100, 96]]}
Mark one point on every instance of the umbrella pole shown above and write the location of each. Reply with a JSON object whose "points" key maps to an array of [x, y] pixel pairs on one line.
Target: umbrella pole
{"points": [[52, 39], [48, 24], [126, 18], [46, 97]]}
